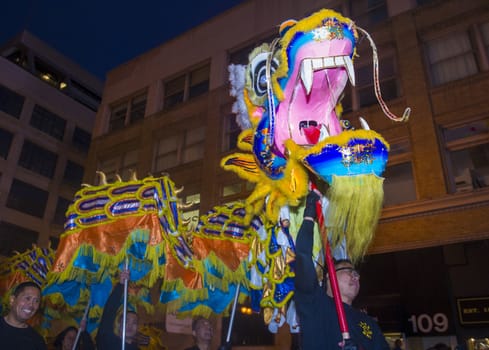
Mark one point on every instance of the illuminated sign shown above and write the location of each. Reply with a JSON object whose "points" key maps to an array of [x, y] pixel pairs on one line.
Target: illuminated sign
{"points": [[473, 310]]}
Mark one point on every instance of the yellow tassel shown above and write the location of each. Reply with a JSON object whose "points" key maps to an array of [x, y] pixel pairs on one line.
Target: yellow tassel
{"points": [[354, 210]]}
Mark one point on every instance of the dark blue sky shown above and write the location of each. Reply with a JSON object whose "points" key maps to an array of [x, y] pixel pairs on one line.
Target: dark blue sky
{"points": [[101, 34]]}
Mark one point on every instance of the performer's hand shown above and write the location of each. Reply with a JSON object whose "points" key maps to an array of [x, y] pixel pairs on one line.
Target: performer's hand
{"points": [[348, 344], [83, 324], [310, 209], [125, 275]]}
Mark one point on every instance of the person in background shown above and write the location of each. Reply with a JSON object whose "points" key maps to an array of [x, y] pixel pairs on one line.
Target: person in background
{"points": [[66, 338], [316, 308], [398, 344], [106, 338], [15, 333], [202, 331]]}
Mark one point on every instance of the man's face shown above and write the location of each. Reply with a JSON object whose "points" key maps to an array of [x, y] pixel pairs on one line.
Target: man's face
{"points": [[26, 304], [348, 282], [69, 340], [131, 326], [203, 331]]}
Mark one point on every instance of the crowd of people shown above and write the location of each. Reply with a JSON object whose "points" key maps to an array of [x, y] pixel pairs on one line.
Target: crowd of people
{"points": [[315, 305], [25, 299]]}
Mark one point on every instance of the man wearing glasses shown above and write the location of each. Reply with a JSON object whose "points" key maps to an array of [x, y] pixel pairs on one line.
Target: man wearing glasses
{"points": [[316, 309]]}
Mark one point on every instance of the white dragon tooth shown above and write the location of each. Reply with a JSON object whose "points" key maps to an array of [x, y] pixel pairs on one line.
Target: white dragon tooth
{"points": [[323, 133], [306, 74], [317, 63], [328, 62], [349, 69], [364, 124]]}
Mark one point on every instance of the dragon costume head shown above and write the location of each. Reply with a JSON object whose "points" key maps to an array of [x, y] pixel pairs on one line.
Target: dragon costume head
{"points": [[288, 103]]}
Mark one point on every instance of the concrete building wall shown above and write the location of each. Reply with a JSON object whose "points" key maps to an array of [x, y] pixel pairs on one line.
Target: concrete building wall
{"points": [[39, 93]]}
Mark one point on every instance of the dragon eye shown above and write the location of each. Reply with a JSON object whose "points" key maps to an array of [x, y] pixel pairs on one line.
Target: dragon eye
{"points": [[262, 81], [346, 124], [258, 73]]}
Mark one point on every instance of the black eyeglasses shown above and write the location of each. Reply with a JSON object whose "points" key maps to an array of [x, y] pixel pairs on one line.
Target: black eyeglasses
{"points": [[353, 273]]}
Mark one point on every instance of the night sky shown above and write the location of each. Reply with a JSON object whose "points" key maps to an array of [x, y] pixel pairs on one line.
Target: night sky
{"points": [[101, 34]]}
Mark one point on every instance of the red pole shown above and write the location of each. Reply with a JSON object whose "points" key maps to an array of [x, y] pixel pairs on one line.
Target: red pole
{"points": [[332, 272]]}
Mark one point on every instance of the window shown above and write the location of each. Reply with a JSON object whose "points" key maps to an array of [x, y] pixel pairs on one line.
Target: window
{"points": [[199, 82], [127, 112], [186, 86], [451, 58], [15, 238], [81, 139], [231, 133], [11, 102], [458, 55], [122, 165], [363, 93], [399, 184], [485, 37], [194, 145], [240, 56], [38, 159], [49, 74], [235, 191], [5, 142], [181, 148], [192, 212], [27, 198], [60, 213], [84, 95], [48, 122], [18, 56], [366, 13], [174, 92], [73, 174], [467, 155], [138, 108]]}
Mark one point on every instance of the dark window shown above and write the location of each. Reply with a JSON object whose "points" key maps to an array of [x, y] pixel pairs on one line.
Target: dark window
{"points": [[73, 173], [466, 154], [15, 238], [174, 91], [118, 117], [186, 86], [48, 122], [199, 82], [19, 57], [86, 90], [48, 73], [5, 142], [368, 12], [27, 198], [81, 139], [231, 133], [138, 108], [61, 208], [38, 159], [240, 56], [399, 184], [11, 102], [388, 82]]}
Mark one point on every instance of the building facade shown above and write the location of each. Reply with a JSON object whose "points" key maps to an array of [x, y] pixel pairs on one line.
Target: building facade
{"points": [[169, 110], [47, 111]]}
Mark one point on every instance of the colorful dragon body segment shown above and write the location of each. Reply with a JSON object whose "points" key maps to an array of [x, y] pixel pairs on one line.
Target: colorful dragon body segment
{"points": [[287, 104]]}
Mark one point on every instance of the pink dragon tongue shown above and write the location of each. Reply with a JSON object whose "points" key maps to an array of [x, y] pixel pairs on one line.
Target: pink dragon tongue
{"points": [[312, 134]]}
